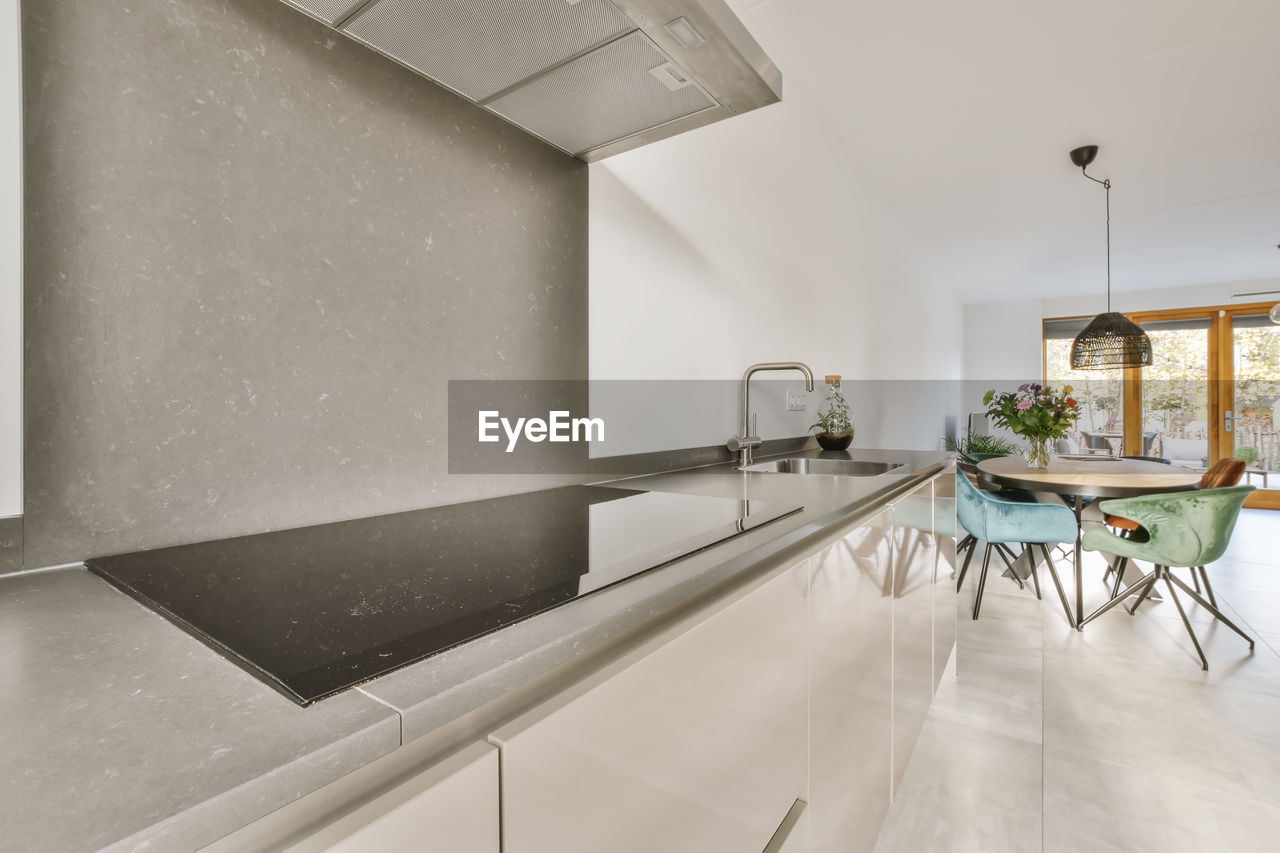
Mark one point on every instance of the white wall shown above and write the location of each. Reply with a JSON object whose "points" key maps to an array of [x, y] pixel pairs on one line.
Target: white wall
{"points": [[1003, 340], [755, 239], [1194, 296], [10, 264]]}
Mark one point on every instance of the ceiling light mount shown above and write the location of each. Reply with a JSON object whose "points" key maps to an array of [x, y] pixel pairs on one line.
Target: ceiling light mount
{"points": [[1111, 339], [1084, 155]]}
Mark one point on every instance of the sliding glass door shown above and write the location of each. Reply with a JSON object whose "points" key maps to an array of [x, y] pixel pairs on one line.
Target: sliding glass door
{"points": [[1174, 396], [1213, 391], [1252, 402]]}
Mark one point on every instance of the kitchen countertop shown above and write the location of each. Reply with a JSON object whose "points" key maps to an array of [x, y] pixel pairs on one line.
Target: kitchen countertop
{"points": [[123, 731]]}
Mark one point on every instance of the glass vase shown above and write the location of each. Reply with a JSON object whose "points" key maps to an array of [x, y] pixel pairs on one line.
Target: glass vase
{"points": [[1038, 453]]}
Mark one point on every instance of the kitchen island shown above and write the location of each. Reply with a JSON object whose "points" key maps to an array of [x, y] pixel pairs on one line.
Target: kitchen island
{"points": [[123, 731]]}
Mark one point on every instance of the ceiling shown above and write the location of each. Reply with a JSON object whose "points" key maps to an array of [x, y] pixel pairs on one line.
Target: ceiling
{"points": [[962, 115]]}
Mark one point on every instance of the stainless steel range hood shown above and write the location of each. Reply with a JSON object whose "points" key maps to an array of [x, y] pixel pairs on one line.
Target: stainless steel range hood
{"points": [[591, 77]]}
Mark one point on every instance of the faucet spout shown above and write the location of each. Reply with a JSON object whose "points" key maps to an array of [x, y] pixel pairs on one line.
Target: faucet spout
{"points": [[746, 440]]}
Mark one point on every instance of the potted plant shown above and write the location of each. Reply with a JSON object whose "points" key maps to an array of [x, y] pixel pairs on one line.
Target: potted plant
{"points": [[975, 448], [1248, 454], [1036, 412], [834, 423]]}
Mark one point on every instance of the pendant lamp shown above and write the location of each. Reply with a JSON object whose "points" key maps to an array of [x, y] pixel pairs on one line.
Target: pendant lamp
{"points": [[1111, 339]]}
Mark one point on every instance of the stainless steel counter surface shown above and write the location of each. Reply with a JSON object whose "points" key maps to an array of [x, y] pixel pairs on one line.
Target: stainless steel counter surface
{"points": [[119, 730]]}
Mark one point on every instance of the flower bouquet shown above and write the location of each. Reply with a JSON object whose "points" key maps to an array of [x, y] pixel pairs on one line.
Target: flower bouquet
{"points": [[1036, 412]]}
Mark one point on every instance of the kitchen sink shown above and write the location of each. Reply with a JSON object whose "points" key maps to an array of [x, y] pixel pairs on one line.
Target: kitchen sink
{"points": [[828, 467]]}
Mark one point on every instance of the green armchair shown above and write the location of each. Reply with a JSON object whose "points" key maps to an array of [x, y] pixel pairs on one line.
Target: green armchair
{"points": [[1183, 529]]}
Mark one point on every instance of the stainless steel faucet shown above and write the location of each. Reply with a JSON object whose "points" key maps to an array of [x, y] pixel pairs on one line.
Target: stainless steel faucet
{"points": [[745, 442]]}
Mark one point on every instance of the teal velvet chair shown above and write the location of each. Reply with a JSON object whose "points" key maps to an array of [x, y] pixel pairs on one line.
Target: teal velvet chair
{"points": [[968, 464], [1182, 530], [998, 522]]}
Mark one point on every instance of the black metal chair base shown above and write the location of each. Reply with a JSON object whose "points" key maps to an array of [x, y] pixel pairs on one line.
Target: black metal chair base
{"points": [[1144, 586], [970, 544]]}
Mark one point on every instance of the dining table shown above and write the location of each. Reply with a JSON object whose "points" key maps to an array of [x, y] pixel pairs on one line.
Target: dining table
{"points": [[1079, 480]]}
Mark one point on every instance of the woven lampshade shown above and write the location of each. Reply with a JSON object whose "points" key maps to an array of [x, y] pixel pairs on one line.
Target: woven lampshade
{"points": [[1110, 340]]}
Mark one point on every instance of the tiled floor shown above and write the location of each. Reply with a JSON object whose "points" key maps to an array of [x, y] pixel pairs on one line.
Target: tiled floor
{"points": [[1110, 739]]}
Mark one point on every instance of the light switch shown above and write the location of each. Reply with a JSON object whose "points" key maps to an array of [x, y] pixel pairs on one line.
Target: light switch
{"points": [[796, 401]]}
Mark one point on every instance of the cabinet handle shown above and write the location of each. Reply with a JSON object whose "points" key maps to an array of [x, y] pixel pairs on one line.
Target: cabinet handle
{"points": [[783, 831]]}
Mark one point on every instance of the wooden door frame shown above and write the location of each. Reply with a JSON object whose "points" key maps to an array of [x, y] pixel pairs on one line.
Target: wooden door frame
{"points": [[1222, 388]]}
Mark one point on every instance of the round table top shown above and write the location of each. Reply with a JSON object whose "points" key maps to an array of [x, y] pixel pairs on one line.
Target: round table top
{"points": [[1104, 477]]}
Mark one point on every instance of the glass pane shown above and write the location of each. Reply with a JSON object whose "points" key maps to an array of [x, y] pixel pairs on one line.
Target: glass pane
{"points": [[1175, 395], [1101, 397], [1257, 400]]}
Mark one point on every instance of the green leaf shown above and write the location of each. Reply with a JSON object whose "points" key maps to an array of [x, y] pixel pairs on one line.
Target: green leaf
{"points": [[986, 398]]}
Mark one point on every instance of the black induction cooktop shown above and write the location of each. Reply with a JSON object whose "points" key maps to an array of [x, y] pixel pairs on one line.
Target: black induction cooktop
{"points": [[315, 610]]}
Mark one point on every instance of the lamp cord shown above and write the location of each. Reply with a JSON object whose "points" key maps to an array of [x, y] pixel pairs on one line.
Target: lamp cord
{"points": [[1106, 185]]}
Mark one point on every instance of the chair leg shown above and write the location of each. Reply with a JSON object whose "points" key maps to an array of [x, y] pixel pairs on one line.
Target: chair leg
{"points": [[1217, 614], [1144, 584], [1155, 574], [1113, 562], [1122, 565], [965, 568], [1035, 575], [1208, 587], [982, 580], [1009, 560], [1173, 593], [1057, 582], [1195, 579]]}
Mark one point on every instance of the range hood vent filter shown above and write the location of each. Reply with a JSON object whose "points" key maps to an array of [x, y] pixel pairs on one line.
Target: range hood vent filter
{"points": [[480, 47], [329, 11], [606, 95]]}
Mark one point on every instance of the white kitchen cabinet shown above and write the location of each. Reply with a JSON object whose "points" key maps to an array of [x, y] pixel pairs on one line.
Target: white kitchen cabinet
{"points": [[944, 587], [914, 563], [696, 745], [450, 808], [851, 683]]}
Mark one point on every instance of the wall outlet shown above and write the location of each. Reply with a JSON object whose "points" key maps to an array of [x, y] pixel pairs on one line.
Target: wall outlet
{"points": [[796, 401]]}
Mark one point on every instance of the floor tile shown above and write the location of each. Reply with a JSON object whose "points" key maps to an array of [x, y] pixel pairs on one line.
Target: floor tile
{"points": [[1155, 645], [982, 792], [1137, 748], [1259, 608], [1125, 714], [1001, 692], [1103, 807]]}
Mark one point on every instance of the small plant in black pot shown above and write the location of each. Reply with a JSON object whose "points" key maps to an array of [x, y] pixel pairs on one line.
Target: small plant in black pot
{"points": [[834, 424]]}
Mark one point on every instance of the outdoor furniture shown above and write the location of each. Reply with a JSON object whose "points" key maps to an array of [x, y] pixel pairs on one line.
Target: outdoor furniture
{"points": [[1103, 477], [1066, 445], [1093, 442], [1188, 529], [1149, 442], [999, 522], [1187, 452]]}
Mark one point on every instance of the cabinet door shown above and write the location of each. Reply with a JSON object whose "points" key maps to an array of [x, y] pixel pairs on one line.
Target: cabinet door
{"points": [[915, 553], [698, 746], [944, 587], [851, 663], [450, 808]]}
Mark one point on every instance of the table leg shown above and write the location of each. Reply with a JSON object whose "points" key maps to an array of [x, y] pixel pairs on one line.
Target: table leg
{"points": [[1079, 507]]}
